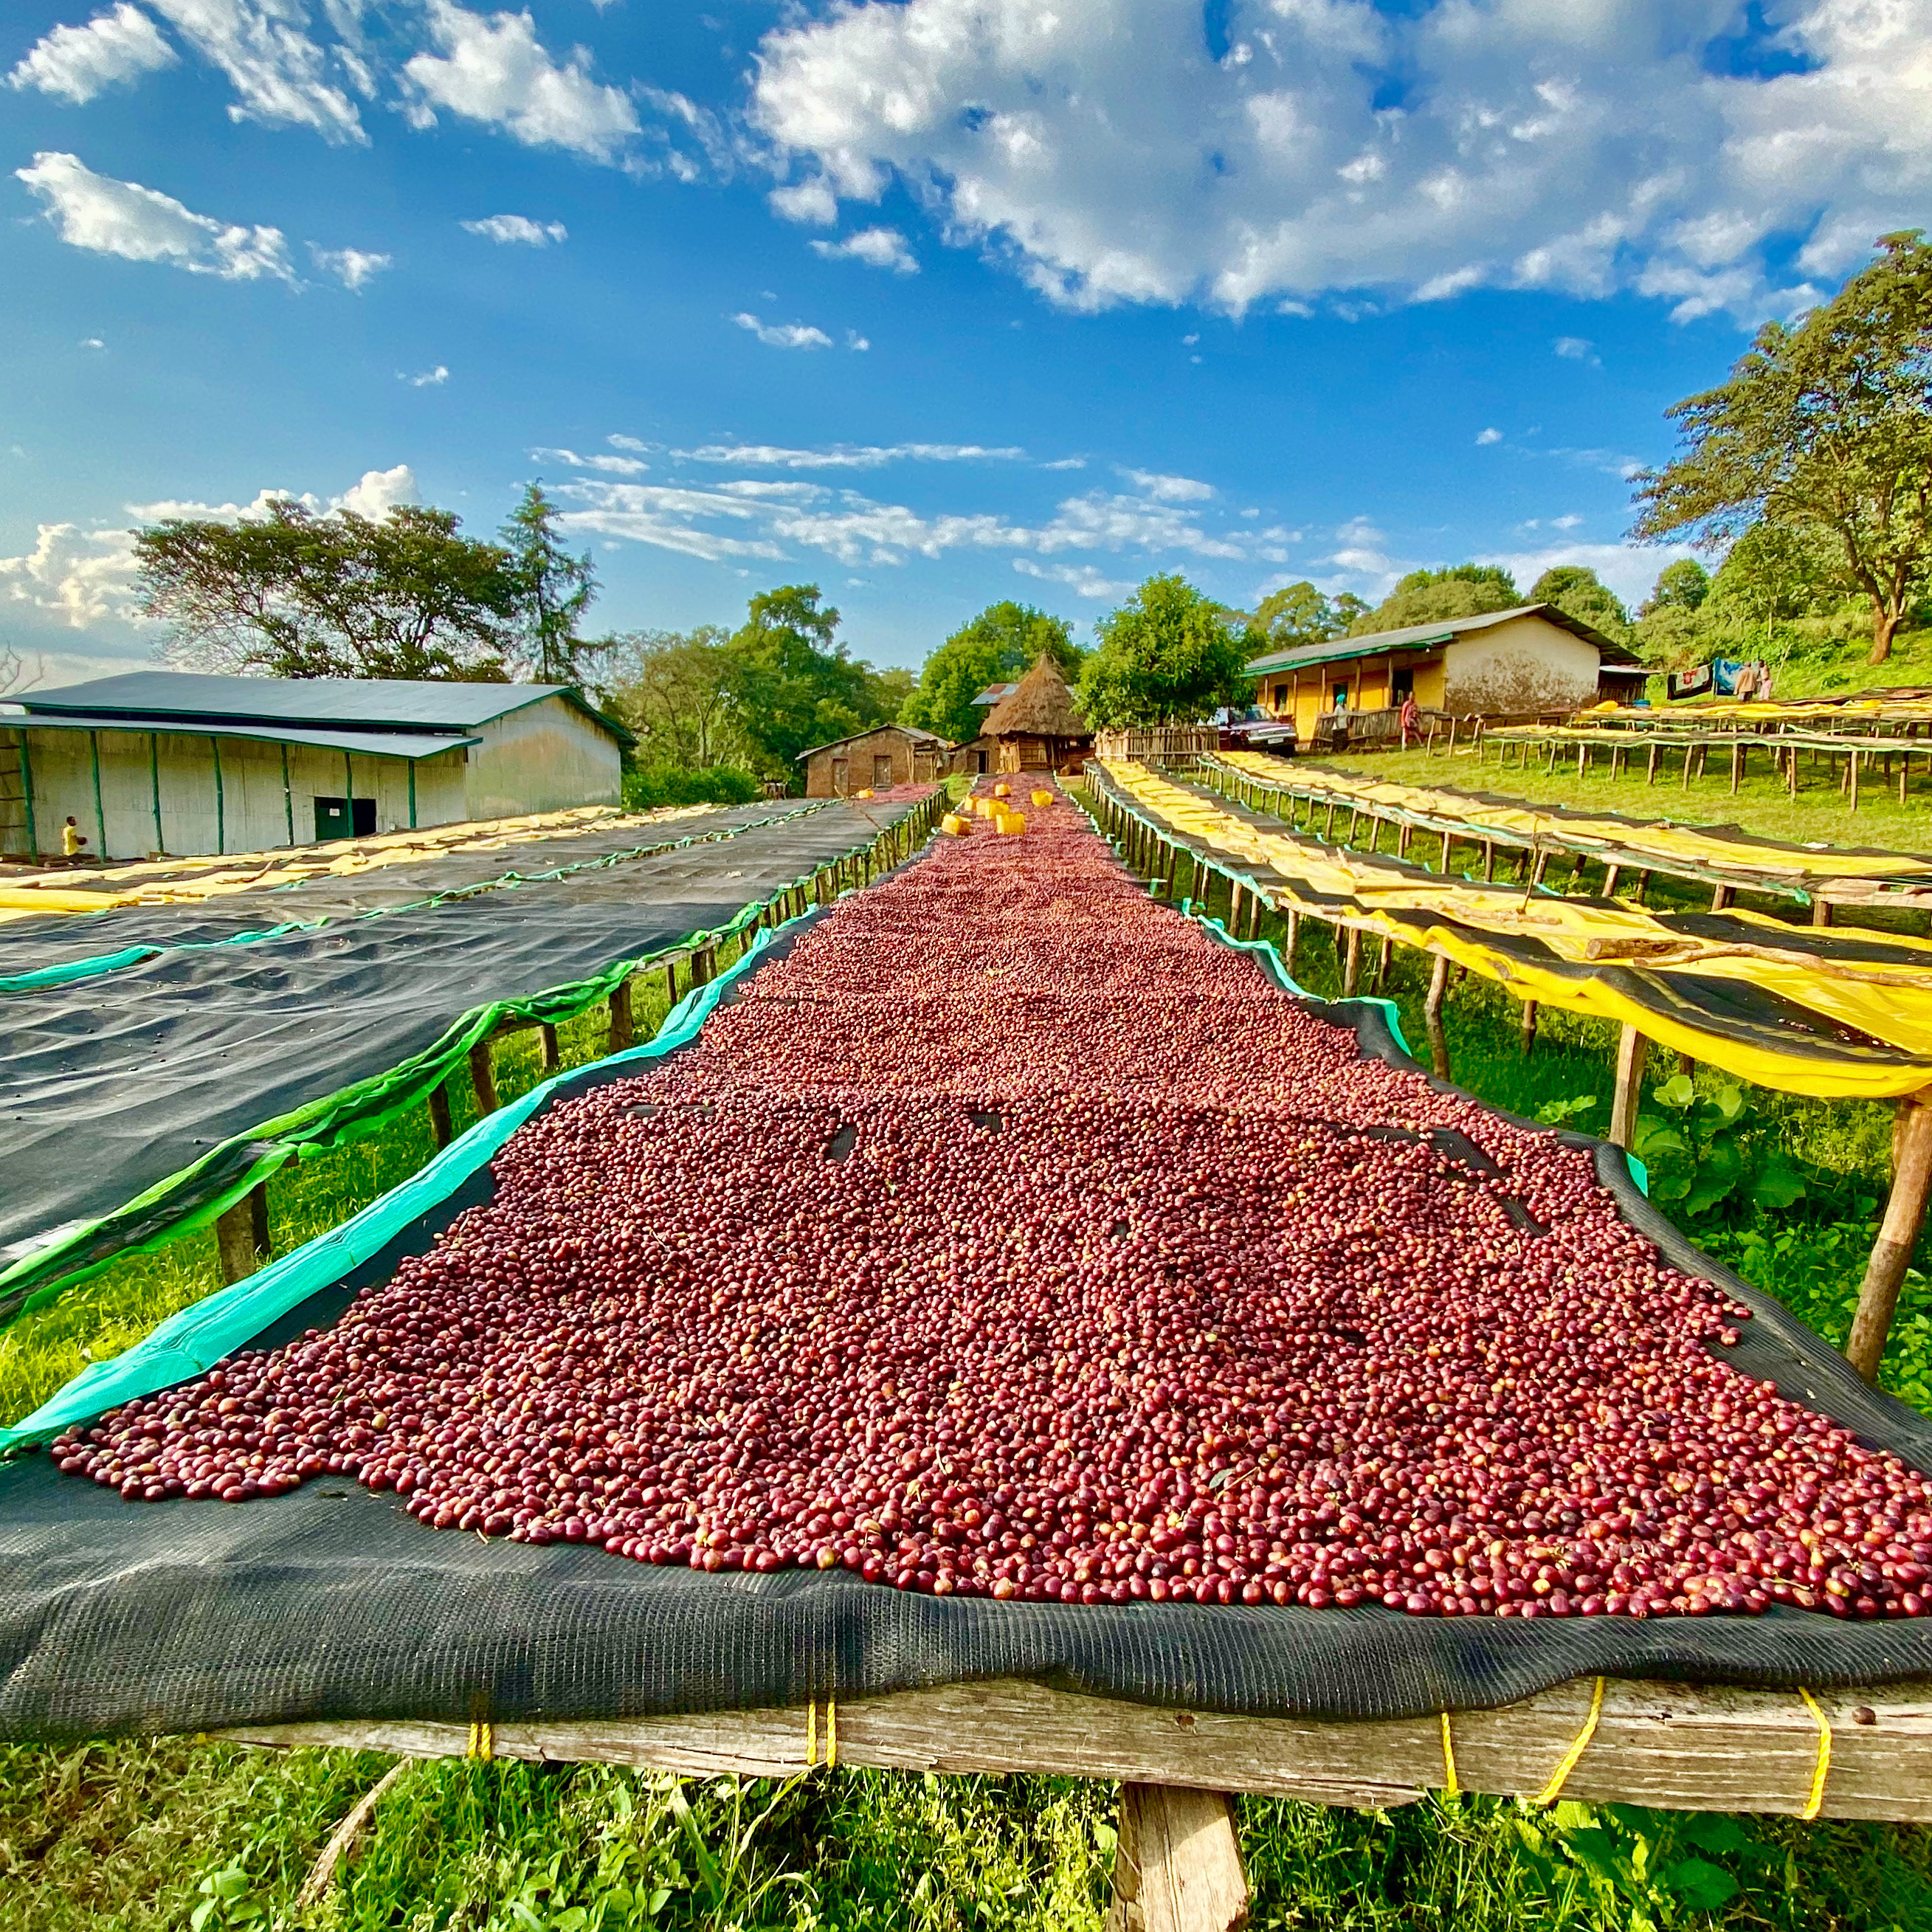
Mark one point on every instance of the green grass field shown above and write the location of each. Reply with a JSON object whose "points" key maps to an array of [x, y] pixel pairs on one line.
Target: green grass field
{"points": [[1760, 806], [133, 1835]]}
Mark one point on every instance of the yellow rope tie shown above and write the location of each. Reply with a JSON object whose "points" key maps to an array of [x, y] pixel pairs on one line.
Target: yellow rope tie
{"points": [[1550, 1792], [811, 1733], [1814, 1804], [483, 1741], [1451, 1788], [832, 1734]]}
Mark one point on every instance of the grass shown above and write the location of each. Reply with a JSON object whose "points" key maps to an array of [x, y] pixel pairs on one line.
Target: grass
{"points": [[136, 1833], [1761, 805]]}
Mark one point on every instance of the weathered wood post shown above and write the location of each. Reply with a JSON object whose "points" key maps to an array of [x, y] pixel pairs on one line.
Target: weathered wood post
{"points": [[440, 1124], [1898, 1234], [241, 1234], [1627, 1093], [1351, 963], [553, 1055], [1432, 1016], [1177, 1865], [1529, 1027], [623, 1025], [483, 1076]]}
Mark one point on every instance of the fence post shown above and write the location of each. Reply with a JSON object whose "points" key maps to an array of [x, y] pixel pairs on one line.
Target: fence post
{"points": [[1627, 1093], [483, 1077], [1898, 1234], [1432, 1014]]}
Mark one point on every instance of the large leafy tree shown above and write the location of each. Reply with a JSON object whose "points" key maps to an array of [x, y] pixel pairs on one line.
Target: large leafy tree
{"points": [[678, 692], [795, 686], [1298, 614], [1428, 596], [1577, 590], [1170, 654], [1824, 426], [295, 594], [1682, 584], [553, 589], [1003, 640]]}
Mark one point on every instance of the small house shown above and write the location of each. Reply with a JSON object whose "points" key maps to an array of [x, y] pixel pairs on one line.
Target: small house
{"points": [[1503, 664], [887, 754], [157, 762], [1037, 726]]}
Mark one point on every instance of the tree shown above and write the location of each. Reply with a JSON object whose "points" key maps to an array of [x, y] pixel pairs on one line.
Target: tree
{"points": [[553, 590], [794, 687], [1579, 593], [995, 647], [1681, 585], [1773, 573], [1824, 424], [678, 692], [296, 595], [1169, 653], [1298, 614], [18, 672], [1428, 596]]}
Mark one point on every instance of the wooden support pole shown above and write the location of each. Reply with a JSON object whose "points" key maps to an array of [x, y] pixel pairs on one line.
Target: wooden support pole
{"points": [[1293, 940], [553, 1053], [1488, 858], [1737, 764], [1380, 978], [1445, 853], [1898, 1234], [1721, 896], [1610, 880], [1432, 1014], [1821, 912], [704, 965], [1176, 1866], [1529, 1027], [1627, 1092], [440, 1124], [1650, 776], [1351, 963], [1854, 780], [623, 1024], [241, 1234], [483, 1077]]}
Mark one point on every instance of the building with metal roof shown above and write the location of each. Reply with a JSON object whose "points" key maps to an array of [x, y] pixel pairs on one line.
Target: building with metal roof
{"points": [[874, 759], [155, 762], [1522, 662]]}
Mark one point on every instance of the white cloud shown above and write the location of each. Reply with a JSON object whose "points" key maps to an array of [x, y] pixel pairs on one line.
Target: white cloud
{"points": [[609, 465], [77, 63], [1081, 579], [92, 342], [785, 335], [117, 218], [1169, 489], [1485, 437], [429, 378], [853, 339], [876, 247], [494, 70], [840, 455], [519, 228], [628, 442], [354, 267], [376, 492], [280, 76], [1582, 147], [1571, 522], [1574, 349], [1629, 569]]}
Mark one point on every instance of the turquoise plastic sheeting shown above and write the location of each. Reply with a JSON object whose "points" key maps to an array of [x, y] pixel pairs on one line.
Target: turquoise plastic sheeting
{"points": [[133, 955], [189, 1343]]}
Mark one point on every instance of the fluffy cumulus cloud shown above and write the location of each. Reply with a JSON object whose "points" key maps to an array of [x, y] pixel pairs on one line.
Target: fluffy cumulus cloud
{"points": [[518, 228], [492, 68], [876, 247], [77, 63], [354, 267], [283, 77], [1114, 151], [78, 579], [117, 218], [785, 335]]}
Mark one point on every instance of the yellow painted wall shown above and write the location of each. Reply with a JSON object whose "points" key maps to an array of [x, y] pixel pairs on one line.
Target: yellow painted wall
{"points": [[542, 757], [1429, 685], [1527, 664]]}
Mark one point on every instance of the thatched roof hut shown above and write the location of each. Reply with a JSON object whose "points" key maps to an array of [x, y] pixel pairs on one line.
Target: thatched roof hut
{"points": [[1037, 726]]}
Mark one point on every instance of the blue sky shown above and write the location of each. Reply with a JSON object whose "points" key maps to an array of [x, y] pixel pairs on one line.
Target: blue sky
{"points": [[931, 303]]}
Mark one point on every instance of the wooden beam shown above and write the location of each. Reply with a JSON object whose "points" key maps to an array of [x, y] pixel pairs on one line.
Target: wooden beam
{"points": [[483, 1077], [1627, 1093], [1679, 1746], [1898, 1234], [1176, 1866]]}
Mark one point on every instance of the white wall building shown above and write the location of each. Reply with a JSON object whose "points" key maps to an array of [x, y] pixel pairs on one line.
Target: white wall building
{"points": [[167, 762]]}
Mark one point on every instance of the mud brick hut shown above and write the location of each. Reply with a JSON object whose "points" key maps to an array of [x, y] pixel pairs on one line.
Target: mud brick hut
{"points": [[1036, 727], [888, 755]]}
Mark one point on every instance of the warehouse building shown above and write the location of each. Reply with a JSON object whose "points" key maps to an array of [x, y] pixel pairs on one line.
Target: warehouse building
{"points": [[1504, 663], [888, 755], [156, 762]]}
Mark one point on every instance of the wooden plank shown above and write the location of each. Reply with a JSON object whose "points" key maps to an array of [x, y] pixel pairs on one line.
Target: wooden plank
{"points": [[1699, 1748], [1627, 1093], [1176, 1866]]}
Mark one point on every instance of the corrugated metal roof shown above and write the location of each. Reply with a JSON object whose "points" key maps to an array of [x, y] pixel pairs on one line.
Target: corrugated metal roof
{"points": [[1444, 630], [918, 731], [363, 744], [398, 704], [994, 693]]}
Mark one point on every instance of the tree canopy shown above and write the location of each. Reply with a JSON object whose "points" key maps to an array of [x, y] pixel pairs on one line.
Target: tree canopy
{"points": [[552, 590], [1427, 596], [1170, 654], [677, 690], [795, 686], [993, 648], [1298, 614], [1576, 590], [294, 594], [1824, 427], [1681, 585]]}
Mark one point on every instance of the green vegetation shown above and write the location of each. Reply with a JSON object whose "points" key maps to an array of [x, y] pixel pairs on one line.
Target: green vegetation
{"points": [[671, 785], [133, 1835], [1761, 804], [1169, 654], [1005, 640]]}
